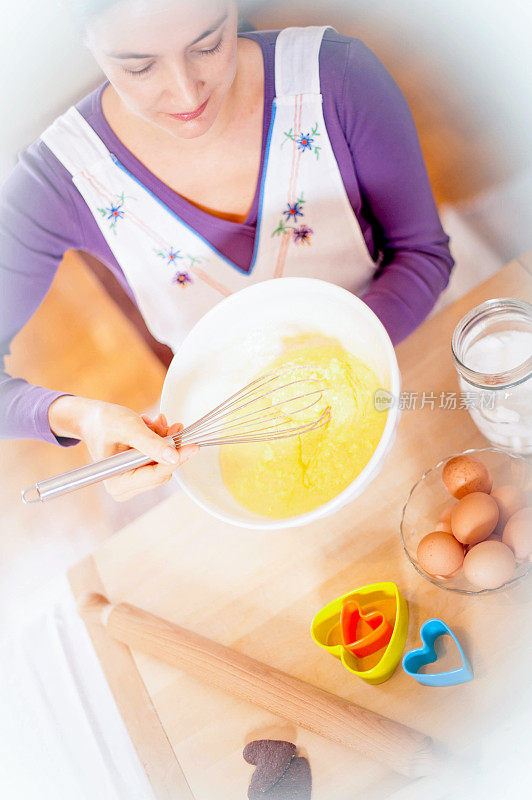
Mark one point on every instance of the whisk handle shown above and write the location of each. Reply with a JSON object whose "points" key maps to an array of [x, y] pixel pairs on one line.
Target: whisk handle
{"points": [[85, 476]]}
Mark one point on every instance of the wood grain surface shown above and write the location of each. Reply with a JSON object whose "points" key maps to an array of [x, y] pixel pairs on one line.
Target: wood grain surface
{"points": [[257, 592], [137, 710], [404, 750]]}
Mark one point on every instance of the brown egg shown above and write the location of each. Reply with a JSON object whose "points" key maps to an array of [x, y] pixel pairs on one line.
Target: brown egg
{"points": [[489, 565], [510, 499], [474, 517], [463, 475], [517, 534], [440, 554]]}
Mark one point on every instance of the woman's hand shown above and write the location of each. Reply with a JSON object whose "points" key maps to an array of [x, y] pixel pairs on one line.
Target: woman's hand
{"points": [[107, 428]]}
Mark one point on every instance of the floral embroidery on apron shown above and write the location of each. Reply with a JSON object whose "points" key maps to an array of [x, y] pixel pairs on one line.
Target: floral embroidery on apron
{"points": [[294, 208], [176, 274], [301, 234], [304, 141], [114, 212], [171, 256], [182, 278]]}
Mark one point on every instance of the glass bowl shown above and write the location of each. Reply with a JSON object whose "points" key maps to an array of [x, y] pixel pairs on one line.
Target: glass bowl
{"points": [[429, 498]]}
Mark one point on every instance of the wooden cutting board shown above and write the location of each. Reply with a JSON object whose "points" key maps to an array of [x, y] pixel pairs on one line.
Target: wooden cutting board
{"points": [[258, 592]]}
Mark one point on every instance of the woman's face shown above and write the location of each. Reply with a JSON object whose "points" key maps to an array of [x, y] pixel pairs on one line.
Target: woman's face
{"points": [[171, 62]]}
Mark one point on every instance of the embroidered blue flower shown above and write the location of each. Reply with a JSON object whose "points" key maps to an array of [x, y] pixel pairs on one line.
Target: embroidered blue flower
{"points": [[170, 255], [182, 278], [115, 212], [302, 234], [292, 212], [112, 213], [305, 142]]}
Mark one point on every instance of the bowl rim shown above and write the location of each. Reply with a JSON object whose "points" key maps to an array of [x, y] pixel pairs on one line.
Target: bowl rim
{"points": [[388, 434], [418, 569]]}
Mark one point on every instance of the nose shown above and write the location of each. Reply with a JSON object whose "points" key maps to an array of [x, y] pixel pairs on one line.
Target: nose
{"points": [[183, 88]]}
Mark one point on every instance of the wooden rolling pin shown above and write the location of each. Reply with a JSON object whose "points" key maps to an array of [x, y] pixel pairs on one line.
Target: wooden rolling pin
{"points": [[403, 749]]}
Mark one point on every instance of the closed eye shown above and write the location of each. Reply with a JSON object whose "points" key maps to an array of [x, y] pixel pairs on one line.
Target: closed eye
{"points": [[138, 72], [212, 50]]}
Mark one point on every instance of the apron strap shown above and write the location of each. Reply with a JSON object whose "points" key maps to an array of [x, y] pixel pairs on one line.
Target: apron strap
{"points": [[72, 140], [297, 66]]}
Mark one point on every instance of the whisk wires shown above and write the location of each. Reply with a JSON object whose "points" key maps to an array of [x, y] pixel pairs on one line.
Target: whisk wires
{"points": [[260, 412]]}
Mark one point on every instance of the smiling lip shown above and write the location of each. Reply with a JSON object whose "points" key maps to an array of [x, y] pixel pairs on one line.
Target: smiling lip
{"points": [[190, 115]]}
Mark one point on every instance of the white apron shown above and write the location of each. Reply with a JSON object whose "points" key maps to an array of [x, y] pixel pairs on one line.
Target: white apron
{"points": [[306, 226]]}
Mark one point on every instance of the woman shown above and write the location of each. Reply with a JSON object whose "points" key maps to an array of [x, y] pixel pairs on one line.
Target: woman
{"points": [[207, 161]]}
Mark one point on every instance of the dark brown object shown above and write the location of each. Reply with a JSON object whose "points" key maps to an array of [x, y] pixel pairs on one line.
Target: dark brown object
{"points": [[296, 783], [280, 775], [272, 758]]}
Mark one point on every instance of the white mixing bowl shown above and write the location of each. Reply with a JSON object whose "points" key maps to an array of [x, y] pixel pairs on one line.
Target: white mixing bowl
{"points": [[242, 335]]}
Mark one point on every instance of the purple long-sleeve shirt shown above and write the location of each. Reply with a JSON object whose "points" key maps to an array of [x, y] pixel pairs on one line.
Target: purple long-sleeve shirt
{"points": [[372, 133]]}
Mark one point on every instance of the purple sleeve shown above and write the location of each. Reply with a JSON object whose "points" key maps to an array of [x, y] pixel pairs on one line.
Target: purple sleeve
{"points": [[38, 223], [396, 193]]}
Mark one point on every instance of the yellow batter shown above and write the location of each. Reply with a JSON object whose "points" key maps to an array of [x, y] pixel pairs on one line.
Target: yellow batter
{"points": [[292, 476]]}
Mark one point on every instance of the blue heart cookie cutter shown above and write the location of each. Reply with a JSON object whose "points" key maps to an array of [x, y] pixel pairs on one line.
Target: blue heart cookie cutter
{"points": [[431, 630]]}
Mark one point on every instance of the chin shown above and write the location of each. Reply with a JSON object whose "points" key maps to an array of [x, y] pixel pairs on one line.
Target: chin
{"points": [[181, 129], [186, 130]]}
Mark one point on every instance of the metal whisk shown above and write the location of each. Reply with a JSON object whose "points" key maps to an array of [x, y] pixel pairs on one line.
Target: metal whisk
{"points": [[259, 412]]}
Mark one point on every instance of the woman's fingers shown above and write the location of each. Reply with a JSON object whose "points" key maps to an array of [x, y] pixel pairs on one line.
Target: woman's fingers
{"points": [[186, 451], [189, 449], [174, 429], [137, 433], [148, 436], [130, 483], [109, 428], [159, 425]]}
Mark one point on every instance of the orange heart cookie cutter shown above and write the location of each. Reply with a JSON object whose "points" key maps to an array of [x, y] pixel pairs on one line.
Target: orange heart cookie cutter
{"points": [[379, 635], [327, 633]]}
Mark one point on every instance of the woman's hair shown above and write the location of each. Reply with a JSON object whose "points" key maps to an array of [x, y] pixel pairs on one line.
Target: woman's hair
{"points": [[85, 10]]}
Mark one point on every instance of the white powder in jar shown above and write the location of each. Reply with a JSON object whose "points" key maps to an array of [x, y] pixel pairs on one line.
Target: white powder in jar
{"points": [[504, 415], [499, 352]]}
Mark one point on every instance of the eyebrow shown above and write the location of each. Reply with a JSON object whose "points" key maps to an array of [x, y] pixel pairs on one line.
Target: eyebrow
{"points": [[203, 35]]}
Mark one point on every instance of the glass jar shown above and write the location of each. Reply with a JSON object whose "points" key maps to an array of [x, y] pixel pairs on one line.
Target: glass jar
{"points": [[492, 351]]}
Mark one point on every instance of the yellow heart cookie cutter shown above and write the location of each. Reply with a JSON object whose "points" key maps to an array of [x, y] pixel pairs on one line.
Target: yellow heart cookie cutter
{"points": [[384, 597]]}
